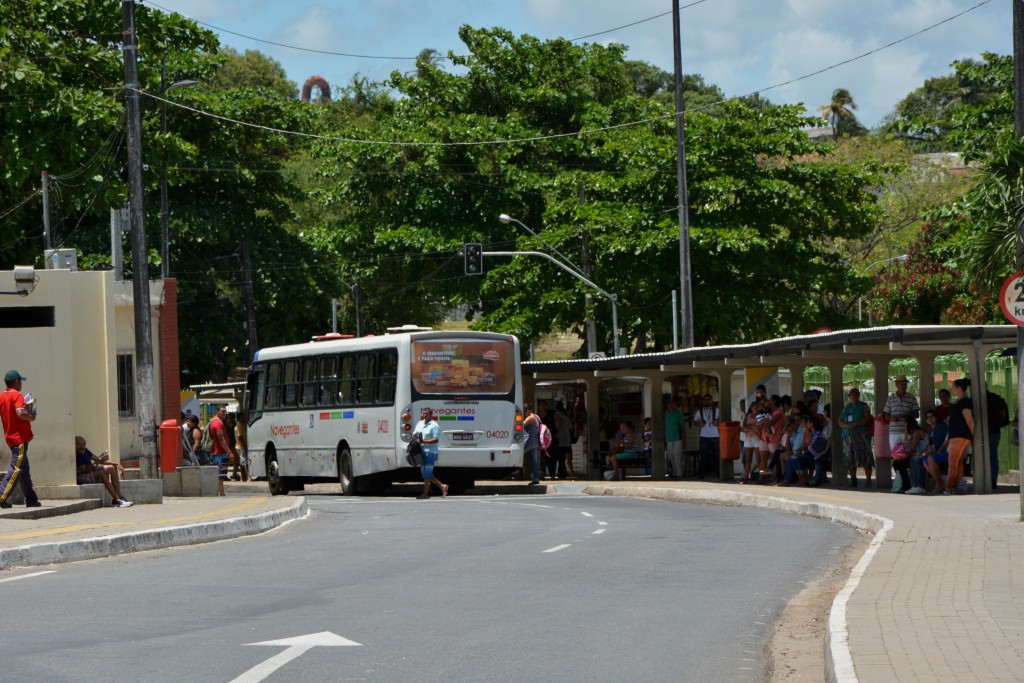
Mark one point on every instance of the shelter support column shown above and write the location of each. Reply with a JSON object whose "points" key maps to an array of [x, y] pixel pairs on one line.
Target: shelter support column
{"points": [[836, 398], [883, 467], [982, 468], [926, 381], [593, 444], [655, 384]]}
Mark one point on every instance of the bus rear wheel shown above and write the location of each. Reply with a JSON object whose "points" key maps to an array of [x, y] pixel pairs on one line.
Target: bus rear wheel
{"points": [[274, 479], [345, 478]]}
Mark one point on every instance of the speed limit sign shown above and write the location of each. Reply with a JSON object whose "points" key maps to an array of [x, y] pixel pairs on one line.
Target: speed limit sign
{"points": [[1011, 299]]}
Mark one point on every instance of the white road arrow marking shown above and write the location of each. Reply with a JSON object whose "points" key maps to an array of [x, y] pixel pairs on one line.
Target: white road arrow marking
{"points": [[297, 647]]}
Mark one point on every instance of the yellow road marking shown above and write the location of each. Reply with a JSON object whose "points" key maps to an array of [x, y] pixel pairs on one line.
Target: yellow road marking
{"points": [[248, 504]]}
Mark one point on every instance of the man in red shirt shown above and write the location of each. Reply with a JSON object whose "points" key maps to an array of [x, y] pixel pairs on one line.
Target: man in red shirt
{"points": [[16, 416], [223, 451]]}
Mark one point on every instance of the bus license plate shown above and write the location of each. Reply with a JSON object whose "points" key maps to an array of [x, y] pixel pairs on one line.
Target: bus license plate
{"points": [[463, 436]]}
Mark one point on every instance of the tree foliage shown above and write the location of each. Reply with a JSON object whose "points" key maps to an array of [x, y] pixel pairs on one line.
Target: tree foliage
{"points": [[763, 198]]}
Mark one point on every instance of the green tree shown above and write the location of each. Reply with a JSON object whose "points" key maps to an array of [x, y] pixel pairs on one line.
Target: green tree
{"points": [[253, 69], [763, 198]]}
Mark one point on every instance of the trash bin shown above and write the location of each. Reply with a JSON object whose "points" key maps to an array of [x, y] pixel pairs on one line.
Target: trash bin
{"points": [[170, 446], [881, 438], [729, 440]]}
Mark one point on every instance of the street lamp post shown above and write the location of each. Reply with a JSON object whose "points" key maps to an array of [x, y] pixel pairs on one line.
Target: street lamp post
{"points": [[568, 267], [164, 239]]}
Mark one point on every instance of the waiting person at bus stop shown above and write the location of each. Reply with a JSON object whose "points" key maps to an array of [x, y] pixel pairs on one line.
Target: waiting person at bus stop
{"points": [[428, 433], [223, 450], [707, 417], [97, 469], [531, 441]]}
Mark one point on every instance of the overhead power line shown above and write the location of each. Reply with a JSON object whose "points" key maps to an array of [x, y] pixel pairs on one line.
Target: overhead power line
{"points": [[540, 138]]}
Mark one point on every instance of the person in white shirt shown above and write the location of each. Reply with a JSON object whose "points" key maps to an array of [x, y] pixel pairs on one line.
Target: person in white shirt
{"points": [[706, 417], [428, 433]]}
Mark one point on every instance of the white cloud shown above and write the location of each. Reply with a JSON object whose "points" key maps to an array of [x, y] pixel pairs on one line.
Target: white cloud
{"points": [[314, 29]]}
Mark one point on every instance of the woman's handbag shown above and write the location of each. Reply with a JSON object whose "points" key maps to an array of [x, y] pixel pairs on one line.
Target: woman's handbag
{"points": [[414, 454]]}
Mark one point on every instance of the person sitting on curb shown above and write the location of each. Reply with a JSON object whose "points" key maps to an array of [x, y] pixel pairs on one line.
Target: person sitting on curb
{"points": [[97, 469]]}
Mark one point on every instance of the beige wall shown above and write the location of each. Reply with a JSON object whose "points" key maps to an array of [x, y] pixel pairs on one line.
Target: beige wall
{"points": [[71, 367]]}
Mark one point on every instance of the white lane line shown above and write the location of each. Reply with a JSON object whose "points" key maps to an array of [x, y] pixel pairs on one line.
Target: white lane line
{"points": [[598, 531], [558, 547], [603, 523], [586, 514], [28, 576]]}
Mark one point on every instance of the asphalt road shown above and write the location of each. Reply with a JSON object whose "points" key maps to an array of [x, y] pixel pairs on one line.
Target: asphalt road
{"points": [[509, 588]]}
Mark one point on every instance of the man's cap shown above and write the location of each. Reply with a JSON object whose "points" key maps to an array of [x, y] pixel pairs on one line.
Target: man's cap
{"points": [[900, 378], [13, 376]]}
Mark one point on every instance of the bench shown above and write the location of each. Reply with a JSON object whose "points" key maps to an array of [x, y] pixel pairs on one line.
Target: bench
{"points": [[632, 460]]}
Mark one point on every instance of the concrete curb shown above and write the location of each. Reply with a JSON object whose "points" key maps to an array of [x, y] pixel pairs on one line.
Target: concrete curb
{"points": [[150, 539], [838, 658]]}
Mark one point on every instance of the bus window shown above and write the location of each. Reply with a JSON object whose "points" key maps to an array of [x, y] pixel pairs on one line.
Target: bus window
{"points": [[388, 376], [347, 380], [366, 374], [466, 367], [328, 380], [255, 388], [310, 370], [273, 386], [291, 384]]}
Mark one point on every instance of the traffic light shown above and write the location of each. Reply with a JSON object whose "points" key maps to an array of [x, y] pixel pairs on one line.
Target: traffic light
{"points": [[473, 254]]}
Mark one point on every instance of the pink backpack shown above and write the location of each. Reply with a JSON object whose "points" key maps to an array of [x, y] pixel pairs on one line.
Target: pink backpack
{"points": [[545, 437]]}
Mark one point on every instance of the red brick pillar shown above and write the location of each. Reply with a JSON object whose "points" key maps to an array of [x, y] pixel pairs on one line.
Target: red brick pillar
{"points": [[170, 364]]}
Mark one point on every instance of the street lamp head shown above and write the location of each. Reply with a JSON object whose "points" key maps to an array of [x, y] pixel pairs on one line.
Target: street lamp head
{"points": [[180, 84], [505, 218]]}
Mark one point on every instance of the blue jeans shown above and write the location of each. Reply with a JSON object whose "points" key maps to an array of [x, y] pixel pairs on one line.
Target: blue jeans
{"points": [[797, 463], [917, 472], [708, 453], [18, 473], [993, 455], [531, 458]]}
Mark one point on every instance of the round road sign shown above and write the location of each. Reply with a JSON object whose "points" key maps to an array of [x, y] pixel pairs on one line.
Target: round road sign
{"points": [[1011, 299]]}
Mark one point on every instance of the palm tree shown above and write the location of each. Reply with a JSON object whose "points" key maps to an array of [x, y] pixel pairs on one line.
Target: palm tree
{"points": [[428, 57], [839, 114], [996, 204]]}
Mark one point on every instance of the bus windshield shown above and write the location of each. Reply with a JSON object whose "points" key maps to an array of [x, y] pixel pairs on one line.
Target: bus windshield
{"points": [[465, 366]]}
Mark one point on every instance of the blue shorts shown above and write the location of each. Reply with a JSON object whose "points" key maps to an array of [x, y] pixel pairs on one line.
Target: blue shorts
{"points": [[941, 458], [429, 458]]}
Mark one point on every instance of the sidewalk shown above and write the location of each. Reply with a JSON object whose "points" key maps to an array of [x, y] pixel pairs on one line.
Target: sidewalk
{"points": [[72, 530], [938, 596]]}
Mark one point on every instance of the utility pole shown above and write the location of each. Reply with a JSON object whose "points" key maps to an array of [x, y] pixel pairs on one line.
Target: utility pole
{"points": [[685, 294], [165, 250], [588, 323], [250, 306], [46, 216], [146, 394], [1018, 127]]}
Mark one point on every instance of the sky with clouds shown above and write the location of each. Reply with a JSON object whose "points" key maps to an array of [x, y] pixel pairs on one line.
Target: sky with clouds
{"points": [[742, 46]]}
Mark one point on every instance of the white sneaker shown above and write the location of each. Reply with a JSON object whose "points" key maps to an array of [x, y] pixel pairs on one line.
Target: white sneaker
{"points": [[916, 491], [126, 503]]}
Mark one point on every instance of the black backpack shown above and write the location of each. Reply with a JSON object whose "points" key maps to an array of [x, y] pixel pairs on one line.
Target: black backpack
{"points": [[414, 454], [998, 411]]}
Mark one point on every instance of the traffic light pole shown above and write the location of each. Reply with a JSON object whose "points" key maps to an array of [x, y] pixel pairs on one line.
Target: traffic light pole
{"points": [[611, 297]]}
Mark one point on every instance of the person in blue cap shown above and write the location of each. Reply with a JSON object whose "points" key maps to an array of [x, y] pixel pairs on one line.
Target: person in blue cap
{"points": [[17, 416]]}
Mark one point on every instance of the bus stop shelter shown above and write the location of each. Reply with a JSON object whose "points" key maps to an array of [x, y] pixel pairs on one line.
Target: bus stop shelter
{"points": [[833, 350]]}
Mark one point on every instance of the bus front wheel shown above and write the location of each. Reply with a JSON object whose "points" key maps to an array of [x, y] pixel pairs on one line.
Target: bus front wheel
{"points": [[274, 480], [345, 478]]}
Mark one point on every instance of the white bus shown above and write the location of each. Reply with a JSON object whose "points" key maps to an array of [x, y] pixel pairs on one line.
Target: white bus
{"points": [[343, 409]]}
